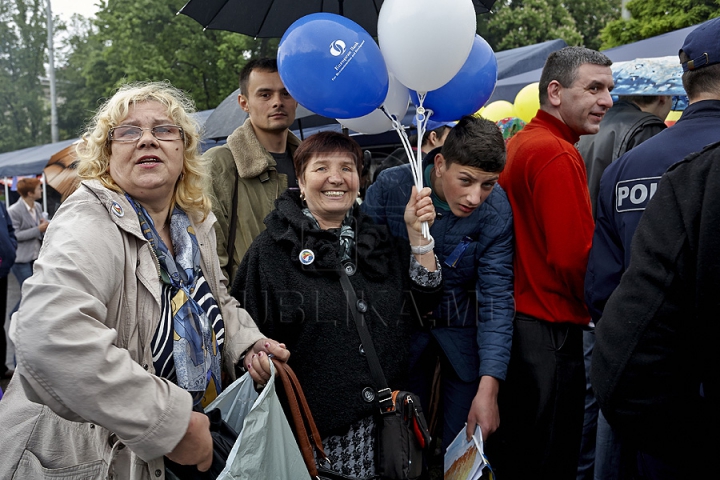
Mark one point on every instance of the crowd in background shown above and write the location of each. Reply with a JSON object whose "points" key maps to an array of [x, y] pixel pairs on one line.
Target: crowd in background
{"points": [[531, 289]]}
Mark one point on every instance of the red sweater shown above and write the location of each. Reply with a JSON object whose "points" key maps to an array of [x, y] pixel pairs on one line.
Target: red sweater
{"points": [[546, 182]]}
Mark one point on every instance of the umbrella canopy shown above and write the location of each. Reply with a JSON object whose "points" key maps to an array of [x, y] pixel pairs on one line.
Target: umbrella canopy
{"points": [[648, 76], [228, 116], [270, 18]]}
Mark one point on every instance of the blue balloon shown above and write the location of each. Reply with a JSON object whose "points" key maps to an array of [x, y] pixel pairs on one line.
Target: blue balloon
{"points": [[468, 90], [332, 66]]}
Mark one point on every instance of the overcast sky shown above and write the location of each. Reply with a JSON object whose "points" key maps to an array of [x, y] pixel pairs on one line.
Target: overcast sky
{"points": [[66, 8]]}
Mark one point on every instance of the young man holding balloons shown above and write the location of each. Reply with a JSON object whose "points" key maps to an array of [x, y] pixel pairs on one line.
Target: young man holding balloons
{"points": [[542, 401], [470, 332], [255, 165]]}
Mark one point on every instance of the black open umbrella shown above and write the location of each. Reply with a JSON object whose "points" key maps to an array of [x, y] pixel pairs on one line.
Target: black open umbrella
{"points": [[228, 116], [270, 18]]}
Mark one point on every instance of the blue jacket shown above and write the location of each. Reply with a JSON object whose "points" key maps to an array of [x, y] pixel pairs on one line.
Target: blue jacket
{"points": [[8, 242], [477, 308], [626, 188]]}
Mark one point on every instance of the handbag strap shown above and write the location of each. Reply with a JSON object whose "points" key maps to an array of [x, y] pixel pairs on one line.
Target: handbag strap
{"points": [[302, 417], [376, 371]]}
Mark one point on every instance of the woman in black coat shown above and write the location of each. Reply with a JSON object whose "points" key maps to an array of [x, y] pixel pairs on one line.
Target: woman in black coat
{"points": [[289, 282]]}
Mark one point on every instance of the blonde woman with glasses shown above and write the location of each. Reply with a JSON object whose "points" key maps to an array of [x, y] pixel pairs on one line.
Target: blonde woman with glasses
{"points": [[126, 328]]}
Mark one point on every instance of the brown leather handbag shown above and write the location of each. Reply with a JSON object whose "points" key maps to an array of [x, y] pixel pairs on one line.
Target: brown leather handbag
{"points": [[306, 433]]}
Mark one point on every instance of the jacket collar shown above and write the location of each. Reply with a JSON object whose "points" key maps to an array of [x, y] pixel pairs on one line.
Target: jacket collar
{"points": [[251, 158], [702, 108]]}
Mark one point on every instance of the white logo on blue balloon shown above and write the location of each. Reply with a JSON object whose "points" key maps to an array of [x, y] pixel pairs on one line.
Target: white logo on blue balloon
{"points": [[337, 48]]}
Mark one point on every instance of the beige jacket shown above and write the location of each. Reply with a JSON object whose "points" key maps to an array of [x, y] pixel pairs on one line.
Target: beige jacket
{"points": [[259, 186], [84, 402]]}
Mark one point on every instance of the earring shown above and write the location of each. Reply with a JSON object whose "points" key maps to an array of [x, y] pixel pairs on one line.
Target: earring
{"points": [[302, 195]]}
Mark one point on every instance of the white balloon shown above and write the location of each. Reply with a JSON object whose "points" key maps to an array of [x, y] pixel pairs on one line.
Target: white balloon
{"points": [[426, 42], [396, 103]]}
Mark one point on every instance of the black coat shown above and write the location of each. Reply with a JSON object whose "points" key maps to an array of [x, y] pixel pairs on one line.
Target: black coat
{"points": [[656, 365], [304, 306]]}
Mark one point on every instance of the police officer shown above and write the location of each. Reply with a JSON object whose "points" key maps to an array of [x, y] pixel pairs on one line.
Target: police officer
{"points": [[629, 183]]}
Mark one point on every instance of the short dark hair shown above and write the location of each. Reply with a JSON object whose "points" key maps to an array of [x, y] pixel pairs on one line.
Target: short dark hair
{"points": [[701, 80], [25, 186], [562, 65], [640, 99], [323, 143], [475, 142], [265, 64], [438, 131]]}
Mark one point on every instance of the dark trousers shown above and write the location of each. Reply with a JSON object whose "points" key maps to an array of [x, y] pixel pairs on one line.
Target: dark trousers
{"points": [[541, 403], [457, 395], [3, 308]]}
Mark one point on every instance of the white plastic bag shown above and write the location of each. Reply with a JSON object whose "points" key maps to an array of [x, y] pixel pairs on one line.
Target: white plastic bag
{"points": [[266, 446]]}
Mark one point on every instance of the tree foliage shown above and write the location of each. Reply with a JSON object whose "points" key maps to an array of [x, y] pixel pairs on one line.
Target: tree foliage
{"points": [[23, 43], [516, 23], [144, 40], [655, 17], [591, 16]]}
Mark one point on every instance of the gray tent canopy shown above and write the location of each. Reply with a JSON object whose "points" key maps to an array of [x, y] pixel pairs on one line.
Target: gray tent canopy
{"points": [[31, 160], [522, 59]]}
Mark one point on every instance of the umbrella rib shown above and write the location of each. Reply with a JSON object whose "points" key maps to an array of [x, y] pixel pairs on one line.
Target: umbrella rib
{"points": [[267, 12], [377, 9], [214, 15]]}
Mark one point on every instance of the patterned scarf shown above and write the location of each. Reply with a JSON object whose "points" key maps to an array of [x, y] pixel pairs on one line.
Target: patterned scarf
{"points": [[195, 348], [346, 234]]}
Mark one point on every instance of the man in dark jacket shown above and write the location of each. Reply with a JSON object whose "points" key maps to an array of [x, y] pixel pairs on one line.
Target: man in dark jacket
{"points": [[631, 120], [655, 366], [471, 330], [8, 244], [628, 184]]}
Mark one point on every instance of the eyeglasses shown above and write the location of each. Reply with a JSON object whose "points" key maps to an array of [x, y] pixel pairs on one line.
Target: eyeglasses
{"points": [[132, 133]]}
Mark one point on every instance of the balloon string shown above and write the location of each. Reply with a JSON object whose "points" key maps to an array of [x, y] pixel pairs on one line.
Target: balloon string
{"points": [[415, 158], [421, 120], [397, 126]]}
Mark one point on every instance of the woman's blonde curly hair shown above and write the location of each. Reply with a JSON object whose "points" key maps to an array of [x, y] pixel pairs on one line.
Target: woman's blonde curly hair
{"points": [[95, 151]]}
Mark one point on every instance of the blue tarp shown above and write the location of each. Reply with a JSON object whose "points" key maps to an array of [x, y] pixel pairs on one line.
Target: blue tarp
{"points": [[659, 46]]}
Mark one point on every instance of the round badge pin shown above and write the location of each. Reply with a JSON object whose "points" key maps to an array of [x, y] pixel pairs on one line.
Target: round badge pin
{"points": [[307, 257], [118, 209]]}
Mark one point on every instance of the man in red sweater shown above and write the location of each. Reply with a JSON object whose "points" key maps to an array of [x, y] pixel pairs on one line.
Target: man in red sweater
{"points": [[546, 182]]}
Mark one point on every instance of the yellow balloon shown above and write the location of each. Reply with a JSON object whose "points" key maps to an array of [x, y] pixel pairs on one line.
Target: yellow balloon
{"points": [[527, 102], [498, 110], [479, 113]]}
